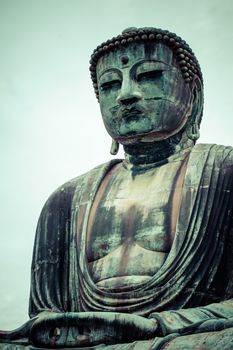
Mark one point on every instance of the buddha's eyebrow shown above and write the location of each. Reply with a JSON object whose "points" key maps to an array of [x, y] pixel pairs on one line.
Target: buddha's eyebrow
{"points": [[153, 61], [110, 70]]}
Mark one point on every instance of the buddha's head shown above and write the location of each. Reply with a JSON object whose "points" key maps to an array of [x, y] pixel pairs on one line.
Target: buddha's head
{"points": [[149, 86]]}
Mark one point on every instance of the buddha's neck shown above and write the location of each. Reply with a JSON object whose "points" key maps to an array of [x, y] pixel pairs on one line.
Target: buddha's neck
{"points": [[143, 156]]}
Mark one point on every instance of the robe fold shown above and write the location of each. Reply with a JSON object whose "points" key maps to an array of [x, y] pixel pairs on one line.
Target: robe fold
{"points": [[195, 283]]}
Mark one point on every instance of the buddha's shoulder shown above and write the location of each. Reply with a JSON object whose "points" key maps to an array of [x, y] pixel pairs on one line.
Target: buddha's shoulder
{"points": [[222, 155], [63, 195]]}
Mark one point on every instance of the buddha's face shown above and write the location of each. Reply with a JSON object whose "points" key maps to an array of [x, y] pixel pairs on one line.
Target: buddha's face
{"points": [[142, 94]]}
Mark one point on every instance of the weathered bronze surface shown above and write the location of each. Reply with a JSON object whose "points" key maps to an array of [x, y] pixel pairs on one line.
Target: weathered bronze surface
{"points": [[137, 253]]}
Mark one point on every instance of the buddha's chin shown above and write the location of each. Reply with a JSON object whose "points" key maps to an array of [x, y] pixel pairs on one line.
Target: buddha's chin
{"points": [[149, 136], [134, 136]]}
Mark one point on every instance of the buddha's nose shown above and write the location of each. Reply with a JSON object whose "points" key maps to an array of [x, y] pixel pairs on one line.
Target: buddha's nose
{"points": [[128, 93]]}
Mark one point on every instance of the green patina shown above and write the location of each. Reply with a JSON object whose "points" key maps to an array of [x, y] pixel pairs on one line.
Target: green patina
{"points": [[137, 253]]}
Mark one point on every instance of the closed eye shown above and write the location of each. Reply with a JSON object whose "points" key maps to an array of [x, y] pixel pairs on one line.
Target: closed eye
{"points": [[149, 76], [110, 85]]}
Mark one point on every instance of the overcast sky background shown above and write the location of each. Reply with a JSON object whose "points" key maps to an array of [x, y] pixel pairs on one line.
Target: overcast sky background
{"points": [[50, 124]]}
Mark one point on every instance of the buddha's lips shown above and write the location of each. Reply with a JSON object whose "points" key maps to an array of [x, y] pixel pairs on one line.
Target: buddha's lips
{"points": [[128, 113]]}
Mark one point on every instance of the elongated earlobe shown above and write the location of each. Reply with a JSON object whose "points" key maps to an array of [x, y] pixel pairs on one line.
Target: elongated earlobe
{"points": [[194, 121], [114, 147], [193, 132]]}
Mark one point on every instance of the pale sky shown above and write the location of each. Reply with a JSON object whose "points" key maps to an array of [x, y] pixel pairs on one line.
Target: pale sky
{"points": [[51, 128]]}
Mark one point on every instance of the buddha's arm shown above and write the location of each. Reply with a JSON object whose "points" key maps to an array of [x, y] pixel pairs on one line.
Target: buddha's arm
{"points": [[89, 328], [50, 262], [212, 317], [216, 315]]}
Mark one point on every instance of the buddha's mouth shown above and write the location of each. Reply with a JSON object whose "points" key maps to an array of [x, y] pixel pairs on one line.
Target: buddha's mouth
{"points": [[130, 113]]}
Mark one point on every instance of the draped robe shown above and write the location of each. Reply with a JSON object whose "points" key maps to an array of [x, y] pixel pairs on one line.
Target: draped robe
{"points": [[195, 283]]}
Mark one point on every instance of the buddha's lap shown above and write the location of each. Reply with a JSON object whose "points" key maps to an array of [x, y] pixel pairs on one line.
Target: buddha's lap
{"points": [[204, 341]]}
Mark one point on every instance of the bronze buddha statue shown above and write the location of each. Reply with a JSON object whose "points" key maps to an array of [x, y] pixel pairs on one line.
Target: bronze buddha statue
{"points": [[137, 253]]}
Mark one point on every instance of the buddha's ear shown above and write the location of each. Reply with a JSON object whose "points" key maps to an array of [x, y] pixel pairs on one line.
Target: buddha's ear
{"points": [[194, 120], [114, 147]]}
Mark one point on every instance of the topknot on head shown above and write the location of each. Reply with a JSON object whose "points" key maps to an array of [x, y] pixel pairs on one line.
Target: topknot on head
{"points": [[129, 29], [186, 59]]}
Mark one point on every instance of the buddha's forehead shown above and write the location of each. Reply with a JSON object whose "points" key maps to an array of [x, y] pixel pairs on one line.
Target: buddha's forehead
{"points": [[133, 54]]}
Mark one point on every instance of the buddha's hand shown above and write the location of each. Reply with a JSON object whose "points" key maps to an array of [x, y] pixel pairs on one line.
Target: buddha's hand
{"points": [[90, 328]]}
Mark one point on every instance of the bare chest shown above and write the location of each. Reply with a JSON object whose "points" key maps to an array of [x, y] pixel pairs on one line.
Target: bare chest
{"points": [[132, 222], [129, 214]]}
